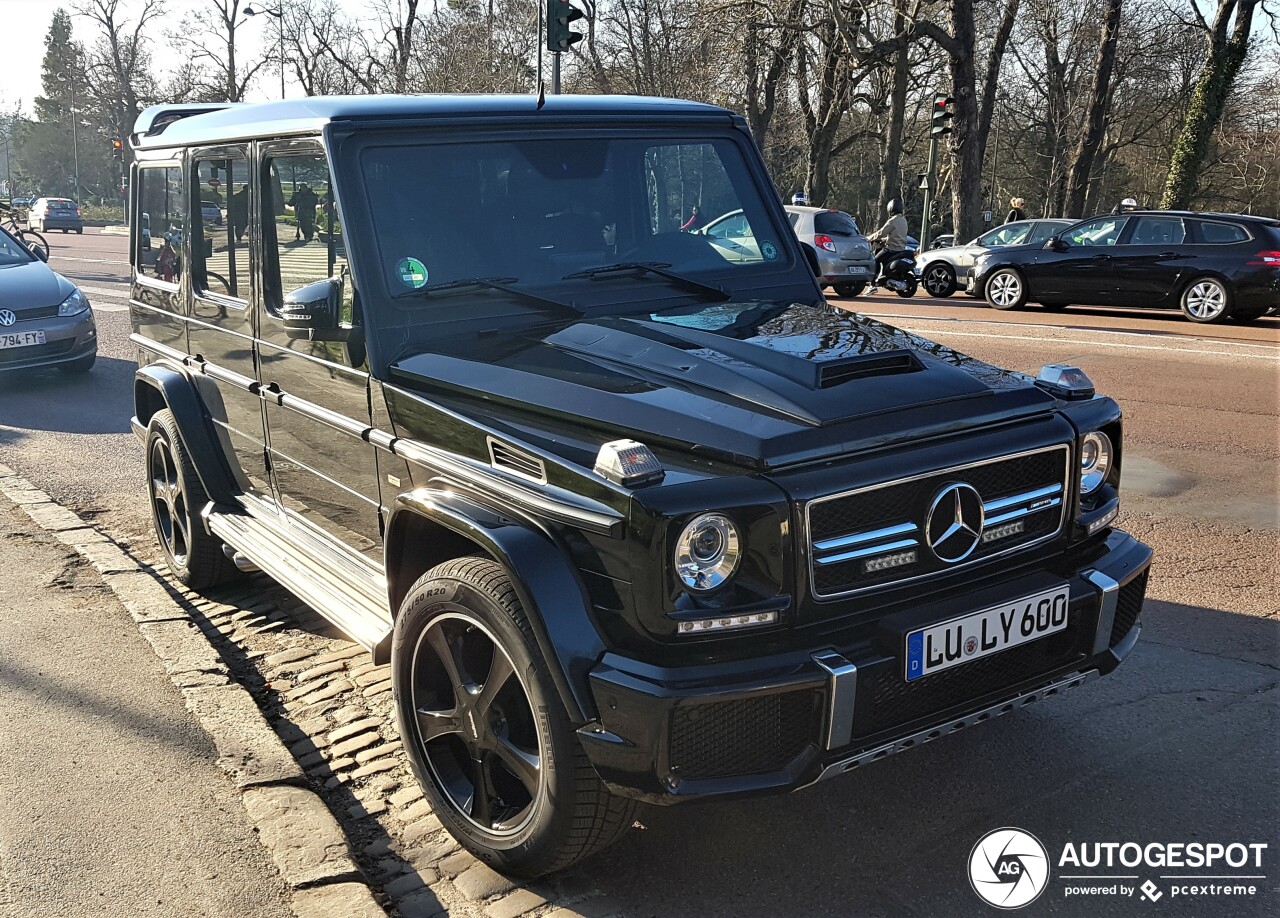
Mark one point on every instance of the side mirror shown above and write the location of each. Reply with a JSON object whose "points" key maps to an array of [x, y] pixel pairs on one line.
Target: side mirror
{"points": [[812, 257], [1057, 244], [38, 252], [312, 312]]}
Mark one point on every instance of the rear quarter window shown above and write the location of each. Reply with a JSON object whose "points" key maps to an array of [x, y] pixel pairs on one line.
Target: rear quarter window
{"points": [[1214, 233]]}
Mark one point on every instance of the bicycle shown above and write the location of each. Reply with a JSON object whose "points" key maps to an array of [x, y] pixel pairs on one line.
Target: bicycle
{"points": [[28, 237]]}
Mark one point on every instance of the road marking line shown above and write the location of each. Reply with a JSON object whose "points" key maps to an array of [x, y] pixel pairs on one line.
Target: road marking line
{"points": [[1134, 347], [1100, 330], [121, 293]]}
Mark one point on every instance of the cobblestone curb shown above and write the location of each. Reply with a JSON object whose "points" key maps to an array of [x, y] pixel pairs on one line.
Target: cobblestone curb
{"points": [[297, 683], [293, 823]]}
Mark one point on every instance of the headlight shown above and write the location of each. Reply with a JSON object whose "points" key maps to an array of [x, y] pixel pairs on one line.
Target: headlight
{"points": [[1095, 461], [707, 552], [73, 305]]}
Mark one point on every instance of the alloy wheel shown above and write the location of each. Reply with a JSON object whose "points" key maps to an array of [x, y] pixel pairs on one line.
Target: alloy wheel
{"points": [[937, 280], [475, 724], [1206, 300], [1005, 289], [169, 503]]}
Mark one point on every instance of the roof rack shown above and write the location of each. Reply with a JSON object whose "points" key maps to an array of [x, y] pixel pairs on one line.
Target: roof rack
{"points": [[155, 119]]}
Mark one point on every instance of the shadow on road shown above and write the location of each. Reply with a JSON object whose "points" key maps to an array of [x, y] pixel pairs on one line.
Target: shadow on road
{"points": [[97, 402]]}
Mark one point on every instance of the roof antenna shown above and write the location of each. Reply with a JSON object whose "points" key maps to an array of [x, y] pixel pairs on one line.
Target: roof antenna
{"points": [[542, 94]]}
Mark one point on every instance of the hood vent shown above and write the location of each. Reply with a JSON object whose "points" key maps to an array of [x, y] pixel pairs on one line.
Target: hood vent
{"points": [[886, 364], [516, 461]]}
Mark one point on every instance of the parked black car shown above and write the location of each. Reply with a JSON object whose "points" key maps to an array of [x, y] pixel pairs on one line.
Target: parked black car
{"points": [[1211, 266], [945, 270], [633, 514]]}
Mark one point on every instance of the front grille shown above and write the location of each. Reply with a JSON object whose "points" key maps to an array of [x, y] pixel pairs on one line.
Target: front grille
{"points": [[891, 701], [32, 351], [1128, 607], [852, 534], [744, 737], [37, 312]]}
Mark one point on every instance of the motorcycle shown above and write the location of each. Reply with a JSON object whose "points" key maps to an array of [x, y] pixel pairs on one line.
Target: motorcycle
{"points": [[899, 273]]}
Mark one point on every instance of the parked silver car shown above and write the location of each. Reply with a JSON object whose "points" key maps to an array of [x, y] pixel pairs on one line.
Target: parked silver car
{"points": [[844, 254], [44, 320], [944, 271]]}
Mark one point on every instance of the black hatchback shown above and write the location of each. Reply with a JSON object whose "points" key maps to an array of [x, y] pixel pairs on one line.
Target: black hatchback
{"points": [[1211, 266]]}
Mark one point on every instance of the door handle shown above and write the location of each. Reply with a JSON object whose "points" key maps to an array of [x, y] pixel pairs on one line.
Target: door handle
{"points": [[1101, 258]]}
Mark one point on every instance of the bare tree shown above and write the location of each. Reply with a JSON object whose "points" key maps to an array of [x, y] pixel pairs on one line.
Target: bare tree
{"points": [[211, 37], [117, 67], [1086, 151], [1227, 38]]}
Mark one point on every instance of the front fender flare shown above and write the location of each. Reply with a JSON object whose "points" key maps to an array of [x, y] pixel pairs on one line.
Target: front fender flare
{"points": [[544, 578]]}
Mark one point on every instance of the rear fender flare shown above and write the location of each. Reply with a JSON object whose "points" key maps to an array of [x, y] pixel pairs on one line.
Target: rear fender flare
{"points": [[544, 578], [177, 392]]}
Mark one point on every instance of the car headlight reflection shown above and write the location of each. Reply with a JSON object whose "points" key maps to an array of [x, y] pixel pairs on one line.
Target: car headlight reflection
{"points": [[73, 305], [1095, 461], [707, 552]]}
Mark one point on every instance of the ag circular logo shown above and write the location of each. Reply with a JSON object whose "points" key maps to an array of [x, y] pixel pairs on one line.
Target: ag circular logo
{"points": [[1008, 868]]}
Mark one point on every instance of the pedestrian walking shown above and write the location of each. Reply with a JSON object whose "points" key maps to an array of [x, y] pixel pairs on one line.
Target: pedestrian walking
{"points": [[1016, 210], [304, 203]]}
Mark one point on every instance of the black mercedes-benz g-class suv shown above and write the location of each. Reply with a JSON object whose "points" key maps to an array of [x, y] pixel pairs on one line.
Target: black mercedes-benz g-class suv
{"points": [[631, 511]]}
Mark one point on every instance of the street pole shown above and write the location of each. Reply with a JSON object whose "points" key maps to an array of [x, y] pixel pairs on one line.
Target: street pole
{"points": [[555, 73], [75, 142], [929, 183], [280, 33]]}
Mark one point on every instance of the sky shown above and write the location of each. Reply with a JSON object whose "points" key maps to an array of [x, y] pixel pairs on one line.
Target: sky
{"points": [[25, 23]]}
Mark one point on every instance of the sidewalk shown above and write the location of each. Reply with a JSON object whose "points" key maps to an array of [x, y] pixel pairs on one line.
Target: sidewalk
{"points": [[110, 801]]}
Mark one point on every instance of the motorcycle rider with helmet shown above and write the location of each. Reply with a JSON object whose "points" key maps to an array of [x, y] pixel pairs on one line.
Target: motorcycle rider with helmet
{"points": [[892, 238]]}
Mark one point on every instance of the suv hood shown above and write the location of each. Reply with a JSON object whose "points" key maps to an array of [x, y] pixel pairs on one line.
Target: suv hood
{"points": [[760, 384]]}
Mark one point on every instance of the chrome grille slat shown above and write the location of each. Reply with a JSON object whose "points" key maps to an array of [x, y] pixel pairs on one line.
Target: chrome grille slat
{"points": [[889, 517]]}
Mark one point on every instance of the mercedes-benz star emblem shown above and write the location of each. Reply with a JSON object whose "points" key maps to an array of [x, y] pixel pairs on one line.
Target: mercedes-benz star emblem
{"points": [[953, 527], [7, 318]]}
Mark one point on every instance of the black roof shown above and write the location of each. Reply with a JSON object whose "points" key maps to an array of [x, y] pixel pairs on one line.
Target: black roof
{"points": [[1199, 214], [175, 125]]}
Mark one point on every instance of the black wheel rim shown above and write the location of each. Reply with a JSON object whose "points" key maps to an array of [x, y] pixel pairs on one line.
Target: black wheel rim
{"points": [[169, 503], [475, 725], [937, 279]]}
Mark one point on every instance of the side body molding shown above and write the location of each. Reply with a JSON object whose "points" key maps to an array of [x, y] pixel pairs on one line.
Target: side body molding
{"points": [[550, 591], [177, 392]]}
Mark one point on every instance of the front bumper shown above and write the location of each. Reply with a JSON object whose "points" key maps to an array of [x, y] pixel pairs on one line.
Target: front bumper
{"points": [[667, 735], [67, 338]]}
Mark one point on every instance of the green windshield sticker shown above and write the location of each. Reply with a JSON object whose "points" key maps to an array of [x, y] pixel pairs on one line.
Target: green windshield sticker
{"points": [[412, 273], [769, 250]]}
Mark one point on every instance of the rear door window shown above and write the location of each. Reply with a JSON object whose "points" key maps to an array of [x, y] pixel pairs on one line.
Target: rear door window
{"points": [[1158, 231], [1214, 233]]}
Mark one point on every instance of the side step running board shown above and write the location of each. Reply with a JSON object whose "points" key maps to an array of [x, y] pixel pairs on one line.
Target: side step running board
{"points": [[341, 589]]}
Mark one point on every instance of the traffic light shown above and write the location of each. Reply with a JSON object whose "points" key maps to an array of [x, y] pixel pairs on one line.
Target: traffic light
{"points": [[561, 14], [940, 122], [117, 149]]}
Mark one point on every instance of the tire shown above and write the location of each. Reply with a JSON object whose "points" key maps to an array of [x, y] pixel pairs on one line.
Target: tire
{"points": [[80, 366], [939, 279], [195, 558], [909, 290], [1006, 289], [1054, 307], [64, 232], [542, 806], [80, 232], [1206, 300], [849, 290]]}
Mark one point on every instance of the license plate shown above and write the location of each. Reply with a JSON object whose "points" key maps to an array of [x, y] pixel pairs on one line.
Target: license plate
{"points": [[980, 634], [857, 269], [21, 339]]}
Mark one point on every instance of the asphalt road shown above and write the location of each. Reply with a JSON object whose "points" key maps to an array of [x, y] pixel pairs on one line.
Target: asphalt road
{"points": [[1179, 745]]}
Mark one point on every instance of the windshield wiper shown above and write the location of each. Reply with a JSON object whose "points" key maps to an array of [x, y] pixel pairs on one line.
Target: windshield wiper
{"points": [[502, 284], [652, 267]]}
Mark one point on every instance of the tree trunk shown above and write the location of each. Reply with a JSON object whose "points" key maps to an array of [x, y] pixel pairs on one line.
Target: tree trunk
{"points": [[891, 163], [1221, 67], [1086, 151]]}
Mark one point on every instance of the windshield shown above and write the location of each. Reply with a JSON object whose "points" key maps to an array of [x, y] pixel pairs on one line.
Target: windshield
{"points": [[541, 212], [12, 252]]}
